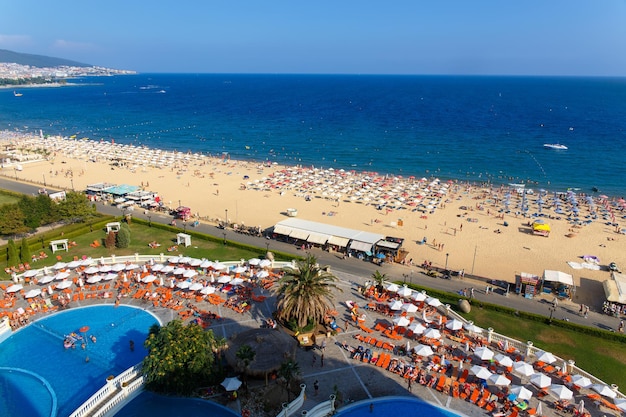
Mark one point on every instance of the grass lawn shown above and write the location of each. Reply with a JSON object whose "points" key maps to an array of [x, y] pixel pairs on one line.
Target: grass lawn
{"points": [[603, 358], [140, 236], [7, 199]]}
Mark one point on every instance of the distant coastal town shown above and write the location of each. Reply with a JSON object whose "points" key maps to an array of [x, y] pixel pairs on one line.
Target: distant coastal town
{"points": [[12, 74]]}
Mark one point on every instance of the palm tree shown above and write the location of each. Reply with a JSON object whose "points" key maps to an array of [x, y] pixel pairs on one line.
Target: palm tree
{"points": [[246, 355], [379, 279], [305, 292], [288, 370]]}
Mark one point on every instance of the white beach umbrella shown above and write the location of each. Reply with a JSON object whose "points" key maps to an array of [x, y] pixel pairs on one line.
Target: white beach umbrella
{"points": [[262, 274], [74, 264], [104, 268], [131, 267], [157, 267], [472, 328], [254, 261], [173, 259], [189, 273], [480, 372], [206, 264], [94, 279], [195, 286], [404, 291], [401, 321], [92, 270], [499, 380], [195, 262], [620, 403], [395, 305], [432, 333], [604, 390], [179, 271], [219, 266], [184, 260], [454, 324], [561, 392], [504, 360], [148, 278], [33, 293], [419, 296], [110, 276], [265, 263], [231, 384], [61, 275], [207, 290], [46, 279], [183, 285], [417, 327], [59, 265], [236, 281], [31, 273], [546, 357], [118, 267], [423, 350], [224, 279], [64, 284], [168, 269], [523, 368], [87, 262], [393, 287], [483, 353], [581, 381], [239, 270], [521, 392], [433, 302], [409, 307], [540, 380]]}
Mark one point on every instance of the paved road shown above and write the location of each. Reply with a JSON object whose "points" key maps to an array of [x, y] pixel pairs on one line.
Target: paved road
{"points": [[566, 310]]}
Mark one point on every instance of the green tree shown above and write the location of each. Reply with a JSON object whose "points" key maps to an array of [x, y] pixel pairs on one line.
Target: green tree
{"points": [[76, 207], [25, 254], [122, 240], [305, 292], [12, 220], [109, 241], [288, 371], [12, 258], [245, 354], [379, 279], [180, 358]]}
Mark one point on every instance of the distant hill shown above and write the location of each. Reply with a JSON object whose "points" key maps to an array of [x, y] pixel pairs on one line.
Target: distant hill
{"points": [[39, 61]]}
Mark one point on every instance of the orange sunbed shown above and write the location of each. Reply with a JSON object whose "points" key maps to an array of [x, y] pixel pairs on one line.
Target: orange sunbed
{"points": [[463, 376], [365, 328], [440, 383], [474, 397]]}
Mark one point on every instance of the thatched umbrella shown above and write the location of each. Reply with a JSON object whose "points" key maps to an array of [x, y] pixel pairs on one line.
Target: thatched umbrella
{"points": [[265, 343]]}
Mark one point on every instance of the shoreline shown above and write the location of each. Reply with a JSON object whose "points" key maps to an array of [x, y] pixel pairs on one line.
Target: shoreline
{"points": [[464, 223]]}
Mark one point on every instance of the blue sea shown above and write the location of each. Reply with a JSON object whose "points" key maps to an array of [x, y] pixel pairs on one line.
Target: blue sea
{"points": [[479, 129]]}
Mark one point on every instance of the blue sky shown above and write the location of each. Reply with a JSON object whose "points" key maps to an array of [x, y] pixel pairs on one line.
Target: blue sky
{"points": [[524, 37]]}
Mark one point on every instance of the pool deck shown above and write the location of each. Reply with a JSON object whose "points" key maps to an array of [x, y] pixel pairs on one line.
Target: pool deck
{"points": [[354, 379]]}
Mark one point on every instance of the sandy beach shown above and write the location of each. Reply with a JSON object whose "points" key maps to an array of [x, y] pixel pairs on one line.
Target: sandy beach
{"points": [[463, 225]]}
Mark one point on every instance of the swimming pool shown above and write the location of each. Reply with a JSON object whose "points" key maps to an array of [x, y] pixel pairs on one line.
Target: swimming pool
{"points": [[153, 405], [389, 406], [37, 372]]}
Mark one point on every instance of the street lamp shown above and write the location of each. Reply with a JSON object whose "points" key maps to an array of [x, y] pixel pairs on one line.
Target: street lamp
{"points": [[552, 309], [72, 181], [185, 225], [226, 218], [224, 234], [267, 247], [149, 220], [447, 254]]}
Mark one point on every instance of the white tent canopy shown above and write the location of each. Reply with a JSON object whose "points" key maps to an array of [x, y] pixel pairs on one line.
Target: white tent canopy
{"points": [[558, 276]]}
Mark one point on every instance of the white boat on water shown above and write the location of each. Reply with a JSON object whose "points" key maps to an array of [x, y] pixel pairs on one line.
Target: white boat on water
{"points": [[554, 146]]}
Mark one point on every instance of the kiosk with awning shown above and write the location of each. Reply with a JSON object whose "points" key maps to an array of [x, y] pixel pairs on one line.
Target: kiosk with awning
{"points": [[558, 283], [334, 237], [615, 288], [527, 284]]}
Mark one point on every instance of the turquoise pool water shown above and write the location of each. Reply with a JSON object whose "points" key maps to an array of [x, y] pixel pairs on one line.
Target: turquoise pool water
{"points": [[149, 404], [394, 406], [42, 378]]}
